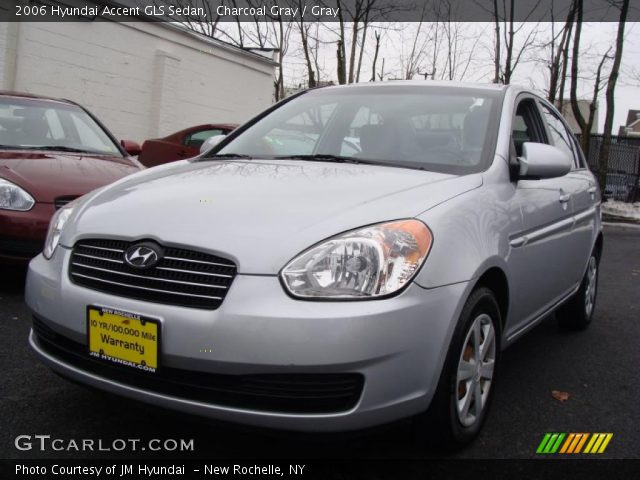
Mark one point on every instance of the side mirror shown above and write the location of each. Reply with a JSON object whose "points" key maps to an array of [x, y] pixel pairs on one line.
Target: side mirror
{"points": [[211, 142], [131, 147], [539, 160]]}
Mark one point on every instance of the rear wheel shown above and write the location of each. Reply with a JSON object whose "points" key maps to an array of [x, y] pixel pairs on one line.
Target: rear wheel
{"points": [[576, 314], [462, 399]]}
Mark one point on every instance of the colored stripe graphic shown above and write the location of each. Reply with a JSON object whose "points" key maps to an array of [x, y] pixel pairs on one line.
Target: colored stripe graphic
{"points": [[550, 443], [598, 442], [581, 443], [556, 445], [544, 441], [567, 443], [607, 439], [573, 443]]}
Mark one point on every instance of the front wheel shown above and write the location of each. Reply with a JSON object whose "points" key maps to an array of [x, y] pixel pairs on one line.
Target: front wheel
{"points": [[462, 399], [576, 314]]}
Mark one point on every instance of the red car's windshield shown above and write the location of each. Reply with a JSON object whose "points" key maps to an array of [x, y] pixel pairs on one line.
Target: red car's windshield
{"points": [[45, 125]]}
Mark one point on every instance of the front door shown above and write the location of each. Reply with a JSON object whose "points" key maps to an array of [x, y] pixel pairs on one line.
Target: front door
{"points": [[540, 262], [584, 191]]}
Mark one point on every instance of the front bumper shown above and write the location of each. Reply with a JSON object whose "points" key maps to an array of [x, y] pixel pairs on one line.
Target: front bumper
{"points": [[397, 345], [22, 234]]}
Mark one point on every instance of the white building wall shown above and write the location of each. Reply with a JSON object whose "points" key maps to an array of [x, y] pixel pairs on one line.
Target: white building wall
{"points": [[8, 39], [142, 80]]}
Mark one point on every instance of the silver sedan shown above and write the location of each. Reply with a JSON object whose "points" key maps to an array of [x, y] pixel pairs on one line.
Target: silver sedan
{"points": [[352, 256]]}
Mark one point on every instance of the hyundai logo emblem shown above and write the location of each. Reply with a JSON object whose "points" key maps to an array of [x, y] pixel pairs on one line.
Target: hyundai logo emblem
{"points": [[142, 255]]}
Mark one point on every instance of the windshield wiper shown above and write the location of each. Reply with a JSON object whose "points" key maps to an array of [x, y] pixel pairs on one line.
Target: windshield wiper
{"points": [[322, 157], [226, 155], [62, 148], [326, 157]]}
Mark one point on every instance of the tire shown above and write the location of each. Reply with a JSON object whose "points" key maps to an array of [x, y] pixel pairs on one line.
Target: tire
{"points": [[454, 416], [577, 312]]}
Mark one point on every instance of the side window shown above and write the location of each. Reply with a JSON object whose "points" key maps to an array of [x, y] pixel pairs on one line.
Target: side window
{"points": [[560, 137], [196, 139], [526, 127], [582, 161]]}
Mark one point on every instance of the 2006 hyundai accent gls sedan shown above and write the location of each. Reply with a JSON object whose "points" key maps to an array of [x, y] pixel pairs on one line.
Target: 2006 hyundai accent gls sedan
{"points": [[412, 231]]}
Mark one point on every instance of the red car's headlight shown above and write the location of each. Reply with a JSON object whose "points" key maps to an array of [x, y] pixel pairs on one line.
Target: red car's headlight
{"points": [[13, 197]]}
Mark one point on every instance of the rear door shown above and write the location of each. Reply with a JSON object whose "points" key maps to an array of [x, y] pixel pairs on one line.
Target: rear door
{"points": [[541, 259]]}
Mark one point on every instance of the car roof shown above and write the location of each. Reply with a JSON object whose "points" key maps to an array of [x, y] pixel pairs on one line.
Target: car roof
{"points": [[428, 83], [231, 126], [33, 96]]}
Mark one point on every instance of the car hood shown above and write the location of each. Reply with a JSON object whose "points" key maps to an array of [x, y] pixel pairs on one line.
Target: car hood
{"points": [[49, 175], [259, 213]]}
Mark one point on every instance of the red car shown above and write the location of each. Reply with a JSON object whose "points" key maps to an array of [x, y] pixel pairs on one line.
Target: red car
{"points": [[51, 152], [183, 144]]}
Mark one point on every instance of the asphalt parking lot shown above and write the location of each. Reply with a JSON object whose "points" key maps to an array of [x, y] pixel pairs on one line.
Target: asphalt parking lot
{"points": [[598, 368]]}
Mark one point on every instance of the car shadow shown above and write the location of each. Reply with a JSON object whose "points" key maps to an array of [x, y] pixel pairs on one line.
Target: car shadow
{"points": [[12, 278]]}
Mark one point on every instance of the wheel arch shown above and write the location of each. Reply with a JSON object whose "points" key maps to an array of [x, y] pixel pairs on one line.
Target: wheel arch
{"points": [[599, 245], [495, 279]]}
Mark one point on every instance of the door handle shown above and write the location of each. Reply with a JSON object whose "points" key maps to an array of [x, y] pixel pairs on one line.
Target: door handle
{"points": [[182, 153], [592, 190], [564, 198]]}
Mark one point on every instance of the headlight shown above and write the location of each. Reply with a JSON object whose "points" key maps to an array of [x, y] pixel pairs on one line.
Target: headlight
{"points": [[55, 229], [12, 197], [369, 262]]}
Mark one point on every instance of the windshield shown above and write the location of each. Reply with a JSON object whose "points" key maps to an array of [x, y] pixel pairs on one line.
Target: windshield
{"points": [[441, 129], [34, 124]]}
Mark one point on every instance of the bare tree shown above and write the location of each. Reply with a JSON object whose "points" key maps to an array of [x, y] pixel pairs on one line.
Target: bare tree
{"points": [[583, 124], [281, 35], [362, 44], [460, 49], [513, 54], [306, 38], [377, 35], [418, 48], [341, 51], [381, 74], [558, 46], [441, 47], [355, 15], [565, 62], [586, 125], [603, 164], [497, 48]]}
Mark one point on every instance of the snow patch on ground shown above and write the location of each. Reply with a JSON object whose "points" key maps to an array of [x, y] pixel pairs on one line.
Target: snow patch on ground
{"points": [[615, 208]]}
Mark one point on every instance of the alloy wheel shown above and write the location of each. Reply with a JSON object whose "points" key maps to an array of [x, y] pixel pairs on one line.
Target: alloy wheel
{"points": [[590, 290], [475, 370]]}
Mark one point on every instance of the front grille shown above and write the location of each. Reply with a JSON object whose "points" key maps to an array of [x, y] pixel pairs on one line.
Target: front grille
{"points": [[182, 277], [311, 393], [60, 202]]}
